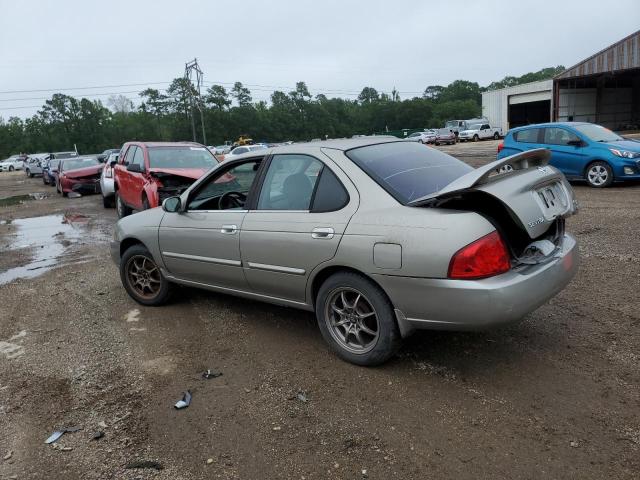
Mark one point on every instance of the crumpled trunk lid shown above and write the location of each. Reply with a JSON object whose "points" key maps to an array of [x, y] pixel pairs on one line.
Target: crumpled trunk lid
{"points": [[535, 194]]}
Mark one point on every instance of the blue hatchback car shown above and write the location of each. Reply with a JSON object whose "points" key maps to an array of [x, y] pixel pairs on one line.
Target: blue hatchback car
{"points": [[582, 151]]}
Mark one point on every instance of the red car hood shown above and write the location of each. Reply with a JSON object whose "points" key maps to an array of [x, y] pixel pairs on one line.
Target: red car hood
{"points": [[194, 173], [84, 172]]}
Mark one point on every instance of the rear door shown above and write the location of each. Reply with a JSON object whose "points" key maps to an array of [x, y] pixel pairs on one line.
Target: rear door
{"points": [[569, 159], [300, 214]]}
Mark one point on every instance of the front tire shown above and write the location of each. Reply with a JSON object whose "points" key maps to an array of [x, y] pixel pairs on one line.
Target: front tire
{"points": [[476, 138], [357, 319], [107, 202], [599, 175], [121, 208], [142, 278], [496, 136], [11, 169]]}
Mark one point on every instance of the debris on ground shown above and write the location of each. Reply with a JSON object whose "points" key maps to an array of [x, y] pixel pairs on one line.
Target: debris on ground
{"points": [[209, 374], [74, 217], [185, 402], [209, 461], [302, 396], [102, 424], [73, 195], [58, 433], [97, 435], [144, 464], [7, 456]]}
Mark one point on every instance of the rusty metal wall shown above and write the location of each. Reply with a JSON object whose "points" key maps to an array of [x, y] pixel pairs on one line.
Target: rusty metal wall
{"points": [[623, 55]]}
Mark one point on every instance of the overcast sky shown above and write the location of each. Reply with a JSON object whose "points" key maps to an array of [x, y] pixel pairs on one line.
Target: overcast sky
{"points": [[336, 47]]}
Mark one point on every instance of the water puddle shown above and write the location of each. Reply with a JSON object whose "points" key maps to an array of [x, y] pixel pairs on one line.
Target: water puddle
{"points": [[47, 238]]}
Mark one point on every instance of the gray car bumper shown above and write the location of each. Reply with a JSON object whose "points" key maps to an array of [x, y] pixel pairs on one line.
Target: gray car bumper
{"points": [[426, 303]]}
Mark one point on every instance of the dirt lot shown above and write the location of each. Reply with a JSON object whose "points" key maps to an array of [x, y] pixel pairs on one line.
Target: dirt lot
{"points": [[557, 396]]}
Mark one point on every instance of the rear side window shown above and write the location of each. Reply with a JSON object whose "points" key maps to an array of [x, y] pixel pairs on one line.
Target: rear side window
{"points": [[527, 136], [330, 194], [408, 170]]}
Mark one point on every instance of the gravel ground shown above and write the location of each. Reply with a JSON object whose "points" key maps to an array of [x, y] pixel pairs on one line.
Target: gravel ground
{"points": [[556, 396]]}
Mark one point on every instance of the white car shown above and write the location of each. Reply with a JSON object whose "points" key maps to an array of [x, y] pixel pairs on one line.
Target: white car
{"points": [[33, 164], [479, 131], [239, 150], [14, 162], [106, 181], [428, 136]]}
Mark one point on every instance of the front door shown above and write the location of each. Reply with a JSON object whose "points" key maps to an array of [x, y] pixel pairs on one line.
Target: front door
{"points": [[202, 243], [301, 214], [566, 157]]}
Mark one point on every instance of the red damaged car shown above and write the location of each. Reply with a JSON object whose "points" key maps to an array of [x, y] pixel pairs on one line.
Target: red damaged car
{"points": [[149, 172], [78, 174]]}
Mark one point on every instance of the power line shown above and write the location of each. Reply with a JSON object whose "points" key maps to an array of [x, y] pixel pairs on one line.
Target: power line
{"points": [[85, 88]]}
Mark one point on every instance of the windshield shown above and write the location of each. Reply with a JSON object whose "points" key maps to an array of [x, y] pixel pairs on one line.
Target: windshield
{"points": [[597, 133], [79, 163], [451, 123], [181, 157], [408, 170]]}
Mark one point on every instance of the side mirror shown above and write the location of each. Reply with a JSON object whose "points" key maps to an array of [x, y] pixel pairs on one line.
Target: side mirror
{"points": [[102, 158], [134, 167], [171, 204], [112, 163]]}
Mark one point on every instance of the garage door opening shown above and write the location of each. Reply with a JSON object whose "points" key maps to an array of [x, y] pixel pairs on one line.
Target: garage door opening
{"points": [[527, 113]]}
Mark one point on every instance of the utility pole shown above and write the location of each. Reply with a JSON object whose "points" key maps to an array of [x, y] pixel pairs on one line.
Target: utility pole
{"points": [[191, 70]]}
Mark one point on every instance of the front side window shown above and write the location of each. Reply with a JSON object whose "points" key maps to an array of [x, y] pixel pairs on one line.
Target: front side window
{"points": [[559, 136], [227, 189], [181, 157], [129, 154], [529, 135], [138, 158], [406, 170], [289, 183]]}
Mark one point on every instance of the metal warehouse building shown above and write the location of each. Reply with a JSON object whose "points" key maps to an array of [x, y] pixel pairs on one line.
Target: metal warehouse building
{"points": [[603, 89]]}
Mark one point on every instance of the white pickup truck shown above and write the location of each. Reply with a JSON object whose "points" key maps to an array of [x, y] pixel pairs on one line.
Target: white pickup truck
{"points": [[479, 131]]}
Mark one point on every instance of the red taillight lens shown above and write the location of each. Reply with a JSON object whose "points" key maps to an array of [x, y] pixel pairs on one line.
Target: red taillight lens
{"points": [[485, 257], [500, 146]]}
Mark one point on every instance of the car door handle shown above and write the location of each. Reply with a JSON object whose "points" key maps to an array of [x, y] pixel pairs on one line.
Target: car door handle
{"points": [[322, 233], [229, 229]]}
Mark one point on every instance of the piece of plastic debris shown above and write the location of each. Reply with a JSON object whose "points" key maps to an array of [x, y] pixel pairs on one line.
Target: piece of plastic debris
{"points": [[73, 195], [97, 436], [185, 402], [58, 433], [7, 456], [66, 449], [208, 375], [302, 396], [209, 461], [144, 464], [276, 429]]}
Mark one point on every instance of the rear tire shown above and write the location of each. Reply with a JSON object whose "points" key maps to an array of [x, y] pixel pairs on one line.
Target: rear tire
{"points": [[496, 136], [599, 174], [357, 320], [121, 207], [142, 278]]}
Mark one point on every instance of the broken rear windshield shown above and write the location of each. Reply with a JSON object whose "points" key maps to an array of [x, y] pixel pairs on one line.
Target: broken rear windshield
{"points": [[408, 170], [181, 157]]}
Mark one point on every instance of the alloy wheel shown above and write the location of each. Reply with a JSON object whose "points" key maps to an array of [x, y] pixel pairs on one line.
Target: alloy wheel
{"points": [[597, 175], [352, 320], [143, 276]]}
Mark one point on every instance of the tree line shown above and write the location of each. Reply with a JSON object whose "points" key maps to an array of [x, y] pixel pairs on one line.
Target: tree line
{"points": [[228, 113]]}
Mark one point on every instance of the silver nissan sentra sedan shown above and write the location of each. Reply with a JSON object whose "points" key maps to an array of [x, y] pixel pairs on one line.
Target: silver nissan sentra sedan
{"points": [[378, 236]]}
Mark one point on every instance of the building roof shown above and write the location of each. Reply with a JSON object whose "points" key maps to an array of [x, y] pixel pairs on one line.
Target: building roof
{"points": [[622, 55]]}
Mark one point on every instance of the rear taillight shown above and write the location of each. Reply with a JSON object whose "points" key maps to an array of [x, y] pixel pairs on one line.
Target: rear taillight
{"points": [[108, 172], [483, 258], [500, 146]]}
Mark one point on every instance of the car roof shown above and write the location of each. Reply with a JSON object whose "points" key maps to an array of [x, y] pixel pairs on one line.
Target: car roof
{"points": [[550, 124], [166, 144], [344, 143]]}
